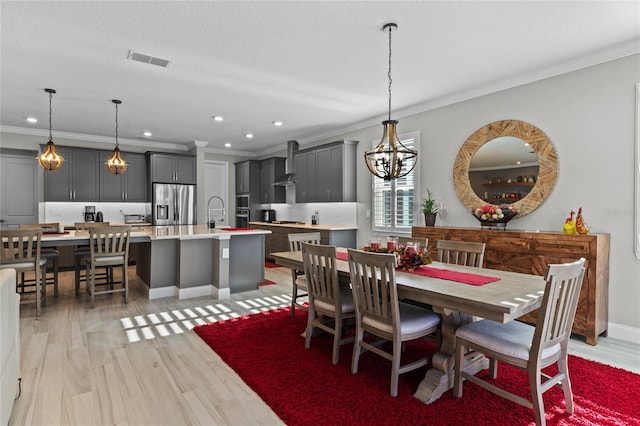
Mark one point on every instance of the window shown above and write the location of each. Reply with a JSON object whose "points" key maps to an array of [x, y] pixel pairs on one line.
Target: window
{"points": [[393, 201]]}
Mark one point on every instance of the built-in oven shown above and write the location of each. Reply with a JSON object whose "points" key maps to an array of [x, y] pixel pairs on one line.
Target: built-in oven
{"points": [[242, 218], [242, 201]]}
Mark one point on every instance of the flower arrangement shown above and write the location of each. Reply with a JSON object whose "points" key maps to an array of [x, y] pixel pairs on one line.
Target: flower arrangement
{"points": [[408, 259], [491, 213]]}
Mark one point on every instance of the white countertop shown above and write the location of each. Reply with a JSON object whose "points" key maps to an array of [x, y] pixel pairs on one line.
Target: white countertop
{"points": [[306, 226], [182, 232]]}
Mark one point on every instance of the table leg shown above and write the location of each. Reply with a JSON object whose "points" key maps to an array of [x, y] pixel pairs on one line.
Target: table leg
{"points": [[439, 378]]}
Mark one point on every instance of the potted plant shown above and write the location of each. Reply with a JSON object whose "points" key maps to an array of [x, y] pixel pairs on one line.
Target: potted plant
{"points": [[429, 209]]}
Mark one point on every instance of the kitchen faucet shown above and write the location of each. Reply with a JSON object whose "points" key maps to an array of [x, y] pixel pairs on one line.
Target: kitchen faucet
{"points": [[210, 211]]}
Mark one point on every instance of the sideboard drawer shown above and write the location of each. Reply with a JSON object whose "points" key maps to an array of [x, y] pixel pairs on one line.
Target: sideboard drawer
{"points": [[560, 247]]}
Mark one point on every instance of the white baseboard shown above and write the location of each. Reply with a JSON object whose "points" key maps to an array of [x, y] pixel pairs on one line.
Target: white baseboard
{"points": [[190, 292], [623, 332], [160, 292], [221, 293]]}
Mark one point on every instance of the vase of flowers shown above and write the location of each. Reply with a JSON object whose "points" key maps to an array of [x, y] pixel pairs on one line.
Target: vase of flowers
{"points": [[408, 258]]}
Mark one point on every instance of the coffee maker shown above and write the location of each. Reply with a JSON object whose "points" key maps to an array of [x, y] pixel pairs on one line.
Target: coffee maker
{"points": [[89, 213]]}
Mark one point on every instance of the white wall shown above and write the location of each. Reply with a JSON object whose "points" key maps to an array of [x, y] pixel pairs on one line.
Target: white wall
{"points": [[589, 116]]}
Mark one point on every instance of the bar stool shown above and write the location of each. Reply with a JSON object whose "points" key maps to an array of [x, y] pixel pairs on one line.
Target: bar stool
{"points": [[20, 250], [109, 247], [50, 254], [81, 257]]}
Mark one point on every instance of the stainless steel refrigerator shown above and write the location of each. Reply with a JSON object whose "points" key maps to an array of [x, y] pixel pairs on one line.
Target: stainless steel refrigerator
{"points": [[174, 204]]}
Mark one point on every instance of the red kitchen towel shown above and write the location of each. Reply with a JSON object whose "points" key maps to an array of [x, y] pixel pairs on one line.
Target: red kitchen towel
{"points": [[460, 277]]}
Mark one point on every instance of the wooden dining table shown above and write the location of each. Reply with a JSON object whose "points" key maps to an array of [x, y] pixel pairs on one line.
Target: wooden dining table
{"points": [[509, 297]]}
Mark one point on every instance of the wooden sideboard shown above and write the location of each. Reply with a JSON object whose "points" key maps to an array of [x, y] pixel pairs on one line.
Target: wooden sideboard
{"points": [[532, 252]]}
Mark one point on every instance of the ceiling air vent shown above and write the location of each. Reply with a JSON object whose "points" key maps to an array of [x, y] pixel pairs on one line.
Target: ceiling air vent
{"points": [[140, 57]]}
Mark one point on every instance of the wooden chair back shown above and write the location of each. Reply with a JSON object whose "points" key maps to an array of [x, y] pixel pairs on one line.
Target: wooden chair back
{"points": [[322, 277], [46, 227], [559, 304], [296, 240], [373, 281], [21, 248], [424, 242], [460, 253], [109, 241]]}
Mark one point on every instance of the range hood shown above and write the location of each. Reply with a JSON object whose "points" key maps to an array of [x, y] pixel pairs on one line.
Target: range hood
{"points": [[289, 178]]}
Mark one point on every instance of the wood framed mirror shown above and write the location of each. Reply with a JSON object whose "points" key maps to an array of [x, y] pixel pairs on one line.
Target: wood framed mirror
{"points": [[526, 200]]}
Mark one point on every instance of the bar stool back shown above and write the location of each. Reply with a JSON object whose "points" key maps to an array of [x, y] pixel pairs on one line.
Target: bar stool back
{"points": [[48, 253]]}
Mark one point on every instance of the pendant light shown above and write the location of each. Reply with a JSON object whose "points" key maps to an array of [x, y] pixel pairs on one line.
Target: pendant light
{"points": [[389, 158], [50, 160], [116, 163]]}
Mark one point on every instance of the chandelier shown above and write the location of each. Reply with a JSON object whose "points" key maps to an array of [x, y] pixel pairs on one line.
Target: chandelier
{"points": [[116, 163], [50, 160], [390, 159]]}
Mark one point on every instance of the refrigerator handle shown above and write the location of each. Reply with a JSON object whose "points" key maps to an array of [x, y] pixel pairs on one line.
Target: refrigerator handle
{"points": [[176, 212]]}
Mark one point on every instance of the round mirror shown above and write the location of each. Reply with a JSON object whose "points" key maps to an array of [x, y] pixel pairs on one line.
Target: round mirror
{"points": [[506, 162]]}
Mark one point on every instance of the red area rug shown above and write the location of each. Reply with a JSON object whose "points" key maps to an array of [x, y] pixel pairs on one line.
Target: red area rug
{"points": [[303, 387], [268, 264], [266, 282]]}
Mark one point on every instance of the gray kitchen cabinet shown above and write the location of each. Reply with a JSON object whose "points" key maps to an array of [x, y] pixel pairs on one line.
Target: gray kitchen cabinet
{"points": [[248, 177], [130, 186], [306, 186], [19, 188], [172, 168], [77, 179], [327, 173], [270, 169]]}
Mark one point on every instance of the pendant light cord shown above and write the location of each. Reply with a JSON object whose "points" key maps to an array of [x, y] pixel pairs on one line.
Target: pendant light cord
{"points": [[389, 73], [50, 112], [116, 125]]}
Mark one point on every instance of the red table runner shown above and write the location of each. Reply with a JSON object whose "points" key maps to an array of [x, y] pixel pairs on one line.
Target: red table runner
{"points": [[444, 274]]}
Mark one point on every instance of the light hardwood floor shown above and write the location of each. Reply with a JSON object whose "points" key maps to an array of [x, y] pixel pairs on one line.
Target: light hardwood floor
{"points": [[140, 364]]}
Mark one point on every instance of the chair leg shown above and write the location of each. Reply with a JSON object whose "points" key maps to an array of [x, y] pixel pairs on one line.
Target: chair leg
{"points": [[125, 280], [536, 396], [337, 336], [38, 289], [457, 378], [43, 278], [76, 268], [309, 332], [357, 348], [294, 296], [395, 367], [55, 276], [566, 384]]}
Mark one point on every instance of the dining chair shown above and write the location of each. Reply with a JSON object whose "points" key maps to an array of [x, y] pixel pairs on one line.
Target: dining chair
{"points": [[298, 279], [460, 253], [330, 304], [380, 313], [49, 253], [109, 247], [529, 348], [81, 255], [21, 251]]}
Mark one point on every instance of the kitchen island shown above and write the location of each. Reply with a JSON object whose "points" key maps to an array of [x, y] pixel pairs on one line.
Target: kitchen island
{"points": [[190, 260], [278, 239]]}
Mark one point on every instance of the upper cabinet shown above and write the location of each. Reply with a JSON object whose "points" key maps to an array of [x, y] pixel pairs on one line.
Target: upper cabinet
{"points": [[270, 169], [326, 173], [130, 186], [248, 177], [172, 168], [84, 177], [77, 179]]}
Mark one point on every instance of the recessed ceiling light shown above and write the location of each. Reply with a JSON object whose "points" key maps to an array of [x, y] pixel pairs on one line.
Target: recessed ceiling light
{"points": [[227, 145], [218, 118], [277, 123], [32, 119], [249, 135], [518, 162], [147, 134]]}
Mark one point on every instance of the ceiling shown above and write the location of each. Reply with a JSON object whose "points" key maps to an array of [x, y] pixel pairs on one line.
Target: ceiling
{"points": [[320, 67]]}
